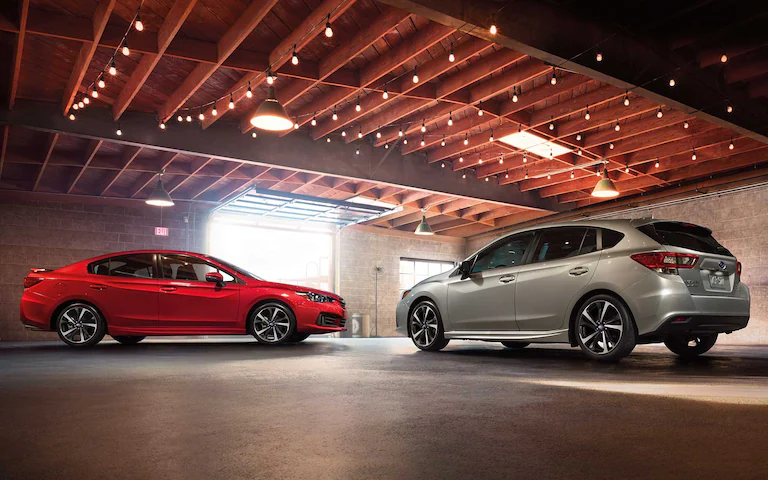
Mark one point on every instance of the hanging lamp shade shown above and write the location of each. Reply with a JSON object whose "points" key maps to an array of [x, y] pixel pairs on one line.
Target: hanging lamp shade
{"points": [[159, 196], [605, 187], [424, 228], [271, 115]]}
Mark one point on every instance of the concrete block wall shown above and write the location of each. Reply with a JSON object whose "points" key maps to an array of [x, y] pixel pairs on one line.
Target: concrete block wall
{"points": [[361, 249], [739, 221], [55, 233]]}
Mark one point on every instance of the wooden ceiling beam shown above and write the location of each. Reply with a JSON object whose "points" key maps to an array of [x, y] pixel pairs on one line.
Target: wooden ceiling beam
{"points": [[197, 166], [127, 157], [168, 30], [3, 145], [18, 51], [231, 39], [566, 83], [389, 19], [577, 104], [50, 144], [409, 121], [141, 184], [90, 152], [477, 228], [631, 128], [298, 38], [84, 57]]}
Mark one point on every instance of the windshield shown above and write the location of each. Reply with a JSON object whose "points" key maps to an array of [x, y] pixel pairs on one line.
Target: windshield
{"points": [[235, 268]]}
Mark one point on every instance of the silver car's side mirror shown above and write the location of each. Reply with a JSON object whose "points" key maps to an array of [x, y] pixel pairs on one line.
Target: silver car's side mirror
{"points": [[466, 268]]}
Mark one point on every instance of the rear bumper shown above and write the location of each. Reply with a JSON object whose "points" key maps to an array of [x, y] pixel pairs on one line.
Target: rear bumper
{"points": [[696, 325]]}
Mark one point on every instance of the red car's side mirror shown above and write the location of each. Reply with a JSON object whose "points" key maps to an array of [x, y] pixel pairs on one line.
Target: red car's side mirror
{"points": [[215, 277]]}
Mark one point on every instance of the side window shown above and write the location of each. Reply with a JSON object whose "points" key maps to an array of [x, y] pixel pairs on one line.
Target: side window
{"points": [[140, 265], [507, 253], [560, 242], [589, 244], [611, 238], [99, 268], [183, 267]]}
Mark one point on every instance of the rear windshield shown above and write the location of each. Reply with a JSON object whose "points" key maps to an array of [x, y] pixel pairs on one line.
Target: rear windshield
{"points": [[684, 235]]}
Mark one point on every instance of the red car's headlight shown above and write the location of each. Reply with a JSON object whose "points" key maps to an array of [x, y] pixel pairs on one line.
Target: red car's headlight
{"points": [[315, 297]]}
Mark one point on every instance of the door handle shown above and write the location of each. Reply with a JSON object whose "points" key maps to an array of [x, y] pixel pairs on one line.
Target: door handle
{"points": [[507, 278], [98, 286], [168, 289], [578, 271]]}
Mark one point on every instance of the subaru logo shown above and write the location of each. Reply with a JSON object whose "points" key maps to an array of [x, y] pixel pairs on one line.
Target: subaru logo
{"points": [[722, 266]]}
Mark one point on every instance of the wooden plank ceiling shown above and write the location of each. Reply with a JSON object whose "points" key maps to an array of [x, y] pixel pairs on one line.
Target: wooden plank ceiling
{"points": [[360, 85]]}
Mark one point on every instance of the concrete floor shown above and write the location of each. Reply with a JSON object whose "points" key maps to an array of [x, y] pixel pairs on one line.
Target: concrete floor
{"points": [[365, 408]]}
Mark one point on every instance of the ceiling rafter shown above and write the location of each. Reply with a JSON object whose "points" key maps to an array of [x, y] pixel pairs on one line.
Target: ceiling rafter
{"points": [[90, 152], [18, 51], [50, 144]]}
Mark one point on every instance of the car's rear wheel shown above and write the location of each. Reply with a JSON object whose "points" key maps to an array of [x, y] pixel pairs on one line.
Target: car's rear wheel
{"points": [[425, 327], [272, 323], [515, 345], [604, 329], [80, 325], [689, 346], [298, 337], [128, 340]]}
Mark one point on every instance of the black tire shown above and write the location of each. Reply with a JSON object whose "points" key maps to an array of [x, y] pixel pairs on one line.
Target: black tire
{"points": [[298, 337], [128, 340], [269, 328], [75, 321], [515, 345], [434, 344], [690, 346], [610, 343]]}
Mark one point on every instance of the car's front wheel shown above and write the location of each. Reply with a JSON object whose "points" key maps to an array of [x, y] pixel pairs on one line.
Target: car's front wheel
{"points": [[272, 323], [604, 329], [80, 325], [689, 346], [128, 340], [425, 327]]}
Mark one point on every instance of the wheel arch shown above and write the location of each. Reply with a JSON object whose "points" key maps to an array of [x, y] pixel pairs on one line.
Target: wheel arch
{"points": [[422, 297], [66, 303], [580, 302]]}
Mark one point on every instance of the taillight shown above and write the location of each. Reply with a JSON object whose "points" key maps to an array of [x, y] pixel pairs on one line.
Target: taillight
{"points": [[738, 268], [665, 262], [31, 281]]}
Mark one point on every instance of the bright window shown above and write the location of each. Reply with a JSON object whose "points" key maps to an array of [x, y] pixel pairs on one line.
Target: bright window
{"points": [[413, 271]]}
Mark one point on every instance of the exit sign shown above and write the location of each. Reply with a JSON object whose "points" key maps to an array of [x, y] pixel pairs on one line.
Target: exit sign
{"points": [[161, 231]]}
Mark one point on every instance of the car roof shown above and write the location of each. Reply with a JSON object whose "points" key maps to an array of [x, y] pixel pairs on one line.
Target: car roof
{"points": [[135, 252]]}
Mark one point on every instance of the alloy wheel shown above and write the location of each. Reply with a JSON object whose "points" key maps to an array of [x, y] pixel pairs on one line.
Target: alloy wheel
{"points": [[78, 323], [600, 327], [423, 325], [271, 323]]}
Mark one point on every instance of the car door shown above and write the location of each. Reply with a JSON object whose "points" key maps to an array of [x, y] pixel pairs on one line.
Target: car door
{"points": [[189, 302], [561, 265], [125, 289], [485, 300]]}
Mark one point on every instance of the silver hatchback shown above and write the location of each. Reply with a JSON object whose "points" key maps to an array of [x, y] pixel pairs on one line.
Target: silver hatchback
{"points": [[604, 285]]}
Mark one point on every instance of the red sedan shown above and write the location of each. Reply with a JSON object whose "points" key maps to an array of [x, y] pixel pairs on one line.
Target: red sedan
{"points": [[131, 295]]}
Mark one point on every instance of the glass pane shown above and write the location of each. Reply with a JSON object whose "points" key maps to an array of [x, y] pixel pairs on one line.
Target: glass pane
{"points": [[421, 268], [508, 253], [589, 244], [434, 268], [406, 281], [556, 243], [138, 266], [406, 266]]}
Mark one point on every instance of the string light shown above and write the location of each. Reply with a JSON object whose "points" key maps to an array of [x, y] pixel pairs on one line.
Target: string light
{"points": [[357, 151], [126, 51], [442, 165], [270, 76], [294, 57], [360, 133], [480, 109], [314, 121], [480, 158], [466, 139], [386, 145], [81, 104], [578, 137], [254, 135], [95, 94], [626, 99], [617, 127], [657, 163], [492, 29], [599, 57], [179, 118], [358, 107], [487, 179], [526, 174], [201, 117], [551, 123], [463, 175], [671, 82], [450, 119], [685, 124], [501, 159], [415, 75], [343, 133], [327, 139], [506, 175], [579, 151], [553, 81], [296, 125], [189, 118], [405, 140], [729, 108], [378, 133], [75, 106], [442, 143], [597, 172], [112, 69], [334, 116], [572, 174], [549, 175], [385, 95], [659, 114], [723, 58], [101, 83], [71, 116], [693, 154], [214, 111], [138, 23], [451, 56], [586, 114], [86, 100], [422, 141], [400, 132], [490, 139], [611, 146], [162, 125], [328, 29], [231, 104], [626, 169], [514, 95], [525, 159], [249, 92], [461, 159], [730, 145], [423, 127], [119, 132]]}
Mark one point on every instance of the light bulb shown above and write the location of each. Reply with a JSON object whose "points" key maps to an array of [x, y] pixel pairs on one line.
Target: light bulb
{"points": [[179, 118], [112, 68], [551, 126], [526, 175], [139, 25], [358, 107], [506, 175], [466, 140], [328, 29], [463, 175], [626, 170], [599, 57], [71, 116], [572, 175], [328, 139], [487, 178], [730, 145], [405, 140], [423, 127], [480, 111], [295, 125], [671, 82], [189, 118], [729, 109], [450, 119], [231, 104], [214, 112], [75, 106], [334, 116], [254, 134], [378, 134], [451, 57], [270, 77], [249, 92], [126, 51], [659, 114], [360, 133], [386, 145], [95, 94], [657, 164], [415, 76], [101, 83], [86, 100], [610, 145], [162, 125], [119, 132], [617, 127], [400, 132], [294, 57], [723, 58], [693, 155], [201, 117], [422, 141], [442, 143], [626, 100], [578, 137], [461, 159], [685, 124], [313, 122], [597, 172], [586, 114], [553, 81], [385, 95], [442, 165], [501, 159], [493, 29], [579, 151], [525, 159], [343, 133], [357, 151], [480, 159], [81, 104], [514, 95], [549, 176]]}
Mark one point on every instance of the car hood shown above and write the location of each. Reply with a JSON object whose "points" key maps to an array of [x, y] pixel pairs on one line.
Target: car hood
{"points": [[436, 278], [293, 288]]}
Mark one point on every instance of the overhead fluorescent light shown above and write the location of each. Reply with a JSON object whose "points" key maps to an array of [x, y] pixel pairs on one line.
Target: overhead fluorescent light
{"points": [[371, 201], [535, 144]]}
